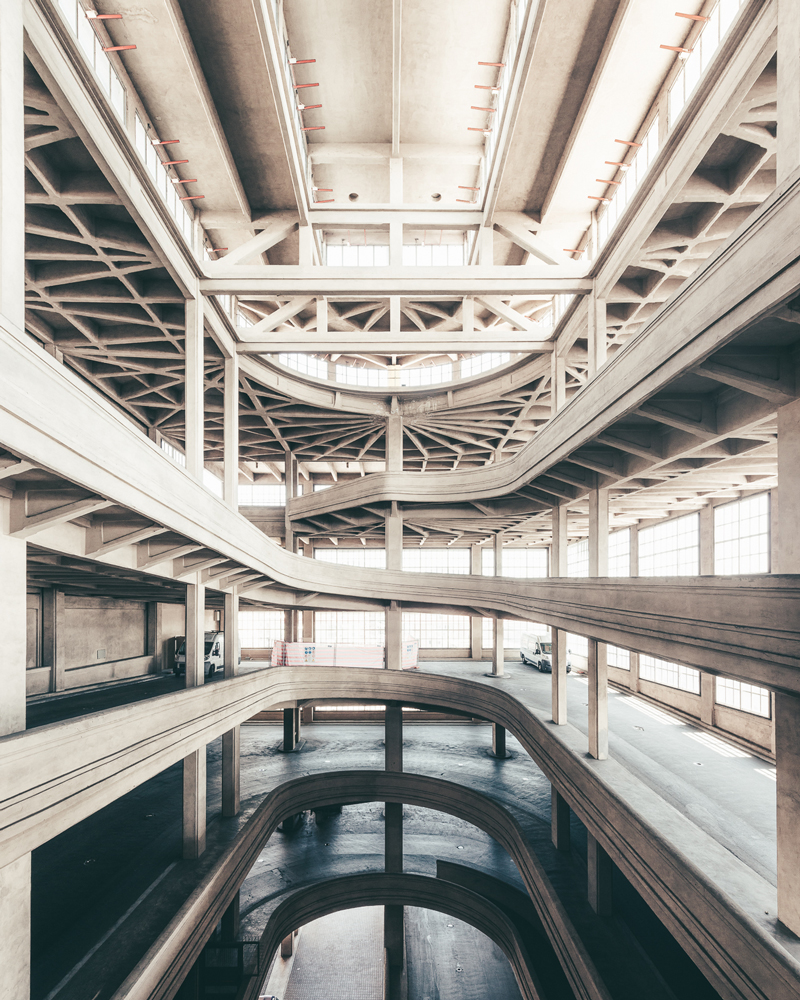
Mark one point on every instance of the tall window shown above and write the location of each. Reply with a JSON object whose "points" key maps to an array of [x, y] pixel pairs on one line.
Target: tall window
{"points": [[512, 632], [744, 697], [619, 553], [483, 363], [620, 658], [578, 644], [365, 377], [741, 536], [426, 375], [578, 558], [436, 560], [368, 558], [339, 255], [306, 364], [352, 628], [260, 629], [671, 548], [525, 563], [449, 255], [674, 675], [437, 631], [270, 495]]}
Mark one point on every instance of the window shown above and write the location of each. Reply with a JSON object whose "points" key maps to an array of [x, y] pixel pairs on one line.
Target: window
{"points": [[368, 558], [673, 675], [637, 167], [619, 553], [306, 364], [352, 628], [436, 560], [342, 255], [263, 496], [430, 375], [578, 558], [420, 255], [741, 536], [578, 644], [671, 548], [177, 457], [483, 363], [512, 632], [365, 377], [620, 658], [524, 563], [212, 483], [260, 629], [437, 631], [744, 697]]}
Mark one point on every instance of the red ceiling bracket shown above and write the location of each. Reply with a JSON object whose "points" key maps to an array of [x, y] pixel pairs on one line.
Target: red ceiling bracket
{"points": [[117, 48]]}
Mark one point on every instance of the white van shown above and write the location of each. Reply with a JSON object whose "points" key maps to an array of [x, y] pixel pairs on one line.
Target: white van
{"points": [[214, 655], [537, 650]]}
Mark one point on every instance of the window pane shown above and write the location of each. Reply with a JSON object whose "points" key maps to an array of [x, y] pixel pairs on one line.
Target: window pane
{"points": [[671, 548], [742, 536], [670, 674]]}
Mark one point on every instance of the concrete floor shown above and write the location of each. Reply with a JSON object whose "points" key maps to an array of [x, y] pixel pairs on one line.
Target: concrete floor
{"points": [[86, 880]]}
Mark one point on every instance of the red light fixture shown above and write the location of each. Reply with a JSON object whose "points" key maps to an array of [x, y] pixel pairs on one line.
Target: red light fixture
{"points": [[601, 181], [163, 142], [323, 201], [192, 197], [474, 107], [308, 107], [117, 48], [312, 128], [190, 180], [627, 142], [171, 163], [682, 52], [216, 249], [615, 163], [692, 17], [480, 86], [596, 197], [301, 86], [301, 62], [321, 189], [472, 128], [500, 65], [464, 187], [92, 15]]}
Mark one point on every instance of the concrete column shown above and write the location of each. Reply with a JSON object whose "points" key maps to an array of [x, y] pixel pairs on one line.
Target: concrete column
{"points": [[53, 651], [290, 478], [15, 878], [12, 170], [786, 550], [396, 181], [231, 741], [394, 636], [289, 623], [707, 694], [559, 820], [498, 641], [558, 568], [634, 679], [485, 237], [788, 88], [305, 246], [194, 803], [154, 635], [194, 391], [598, 659], [195, 634], [394, 935], [598, 700], [498, 740], [707, 540], [394, 537], [598, 533], [597, 341], [559, 676], [289, 729], [475, 623], [558, 382], [231, 920], [634, 549], [230, 446], [396, 243], [599, 869], [394, 443]]}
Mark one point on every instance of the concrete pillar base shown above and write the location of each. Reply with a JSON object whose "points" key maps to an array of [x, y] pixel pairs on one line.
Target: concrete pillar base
{"points": [[499, 741]]}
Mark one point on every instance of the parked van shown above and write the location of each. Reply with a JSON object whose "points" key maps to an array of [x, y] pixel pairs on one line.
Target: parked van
{"points": [[214, 655], [537, 650]]}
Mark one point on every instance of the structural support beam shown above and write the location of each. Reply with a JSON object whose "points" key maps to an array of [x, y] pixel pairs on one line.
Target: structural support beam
{"points": [[559, 656], [788, 88], [394, 636], [195, 634], [12, 165], [195, 387], [231, 741], [559, 820], [598, 700], [499, 741], [194, 803], [597, 336], [394, 936], [599, 871], [498, 640], [230, 446]]}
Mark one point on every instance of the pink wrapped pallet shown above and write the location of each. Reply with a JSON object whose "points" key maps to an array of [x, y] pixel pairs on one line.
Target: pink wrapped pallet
{"points": [[410, 654], [359, 656]]}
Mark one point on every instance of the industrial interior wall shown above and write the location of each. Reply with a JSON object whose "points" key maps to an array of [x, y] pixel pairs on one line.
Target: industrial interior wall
{"points": [[104, 639]]}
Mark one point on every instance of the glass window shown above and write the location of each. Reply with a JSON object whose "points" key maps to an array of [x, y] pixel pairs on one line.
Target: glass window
{"points": [[353, 628], [742, 536], [369, 558], [483, 363], [263, 496], [428, 375], [367, 377], [578, 644], [674, 675], [744, 697], [671, 548], [437, 631], [307, 364], [212, 483], [260, 629], [524, 563], [620, 658], [512, 632], [177, 456], [578, 558], [436, 560], [619, 553]]}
